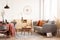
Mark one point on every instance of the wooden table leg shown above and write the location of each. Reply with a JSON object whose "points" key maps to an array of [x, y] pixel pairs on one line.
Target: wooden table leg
{"points": [[24, 32], [28, 32], [21, 31]]}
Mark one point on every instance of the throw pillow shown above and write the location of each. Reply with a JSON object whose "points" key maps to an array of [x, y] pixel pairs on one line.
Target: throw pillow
{"points": [[40, 23]]}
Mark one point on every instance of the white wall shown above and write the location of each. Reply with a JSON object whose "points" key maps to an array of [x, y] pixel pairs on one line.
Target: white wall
{"points": [[16, 8], [58, 8]]}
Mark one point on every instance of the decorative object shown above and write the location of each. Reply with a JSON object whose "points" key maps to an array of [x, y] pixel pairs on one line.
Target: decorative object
{"points": [[58, 26], [21, 16], [27, 9], [25, 21], [21, 19], [49, 34]]}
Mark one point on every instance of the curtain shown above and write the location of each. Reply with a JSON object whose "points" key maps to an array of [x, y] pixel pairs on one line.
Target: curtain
{"points": [[50, 9]]}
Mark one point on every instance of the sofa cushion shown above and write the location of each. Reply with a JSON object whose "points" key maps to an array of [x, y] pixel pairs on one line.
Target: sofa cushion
{"points": [[3, 28], [51, 22]]}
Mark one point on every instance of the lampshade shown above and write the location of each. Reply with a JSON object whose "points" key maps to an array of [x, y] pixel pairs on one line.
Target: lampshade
{"points": [[6, 7]]}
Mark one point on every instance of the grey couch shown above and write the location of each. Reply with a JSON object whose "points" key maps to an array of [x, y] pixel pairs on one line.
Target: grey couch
{"points": [[46, 28]]}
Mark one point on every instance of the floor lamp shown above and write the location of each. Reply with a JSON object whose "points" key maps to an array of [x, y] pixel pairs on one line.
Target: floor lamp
{"points": [[2, 14]]}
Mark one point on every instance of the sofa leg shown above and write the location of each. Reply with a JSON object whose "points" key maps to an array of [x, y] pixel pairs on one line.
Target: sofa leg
{"points": [[54, 34]]}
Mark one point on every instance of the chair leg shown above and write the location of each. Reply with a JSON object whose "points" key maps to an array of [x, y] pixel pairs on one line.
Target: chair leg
{"points": [[21, 32], [34, 30]]}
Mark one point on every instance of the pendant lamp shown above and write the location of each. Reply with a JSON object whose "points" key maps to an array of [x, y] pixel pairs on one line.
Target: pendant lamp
{"points": [[6, 7]]}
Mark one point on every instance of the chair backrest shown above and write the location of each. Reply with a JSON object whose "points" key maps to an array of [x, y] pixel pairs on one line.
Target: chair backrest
{"points": [[29, 22], [21, 24], [18, 24], [1, 23]]}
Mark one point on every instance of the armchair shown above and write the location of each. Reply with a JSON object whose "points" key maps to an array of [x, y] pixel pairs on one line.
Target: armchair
{"points": [[23, 24], [3, 28], [7, 29]]}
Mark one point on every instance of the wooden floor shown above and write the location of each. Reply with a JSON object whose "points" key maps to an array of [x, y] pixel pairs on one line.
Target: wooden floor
{"points": [[34, 36]]}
